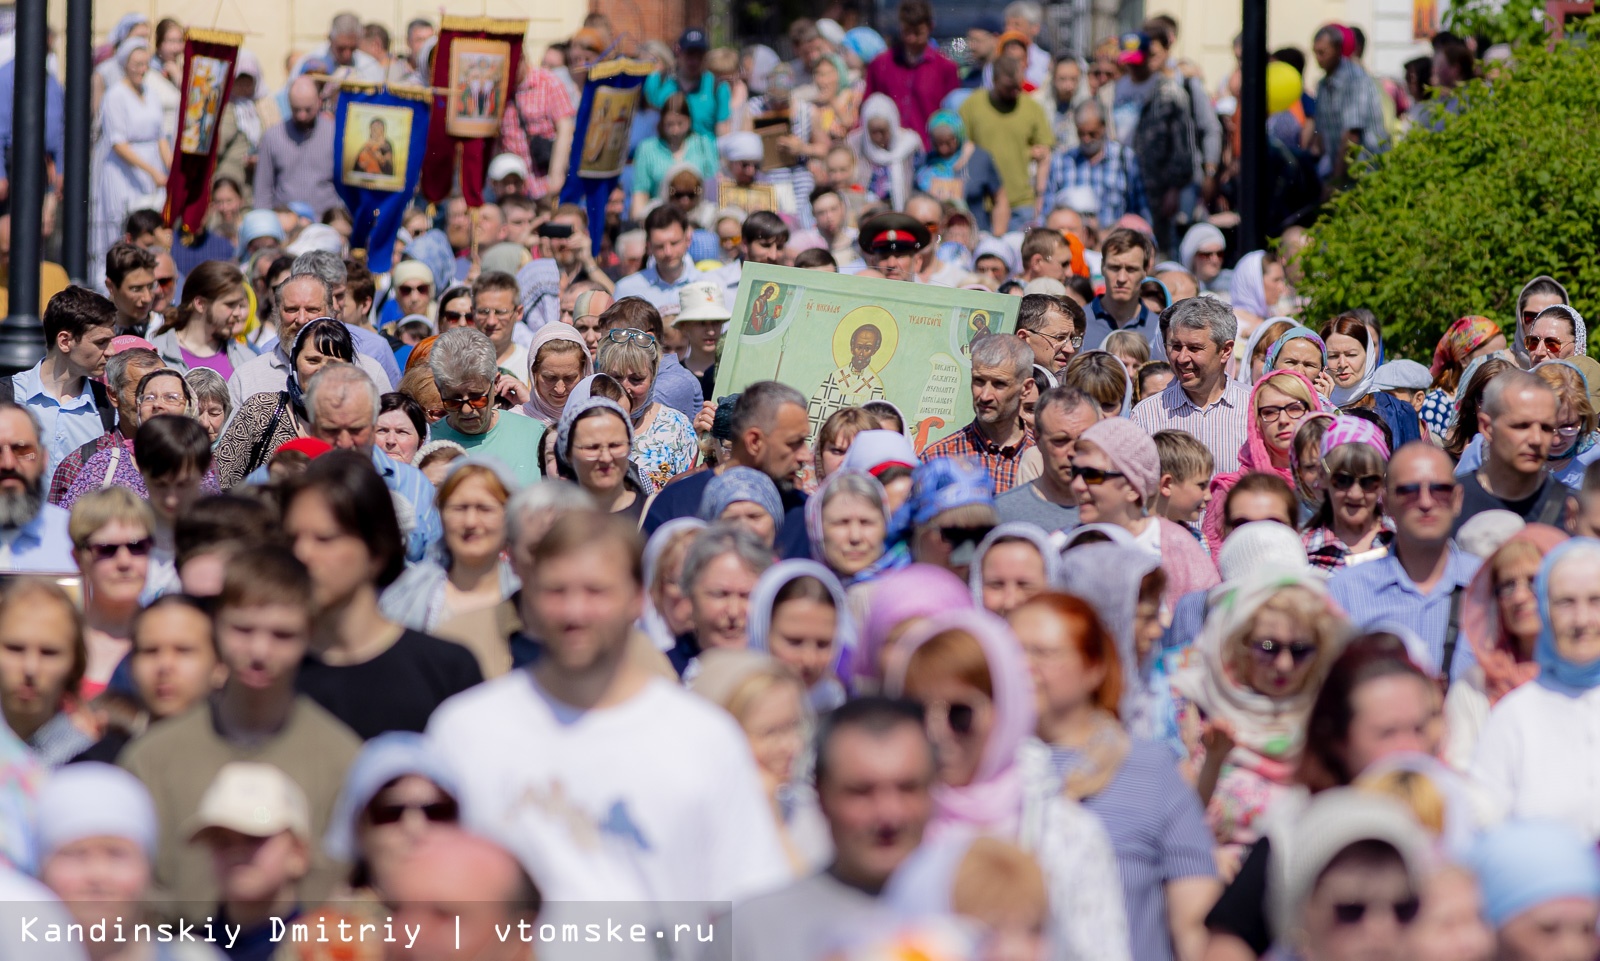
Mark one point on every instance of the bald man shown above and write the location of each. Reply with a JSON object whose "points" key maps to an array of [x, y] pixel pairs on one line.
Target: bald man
{"points": [[452, 891], [296, 156]]}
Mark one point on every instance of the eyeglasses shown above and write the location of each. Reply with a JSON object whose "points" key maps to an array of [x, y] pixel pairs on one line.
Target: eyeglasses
{"points": [[24, 452], [439, 812], [1568, 430], [623, 335], [1353, 912], [1267, 650], [1343, 481], [955, 536], [456, 316], [1056, 340], [1529, 316], [105, 552], [165, 282], [685, 194], [1094, 476], [1294, 409], [475, 401], [406, 290], [960, 718], [175, 399], [485, 313], [1551, 344], [1439, 490], [434, 413]]}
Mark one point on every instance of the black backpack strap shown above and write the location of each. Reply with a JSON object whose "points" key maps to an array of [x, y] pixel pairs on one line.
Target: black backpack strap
{"points": [[1452, 633], [8, 390], [102, 403]]}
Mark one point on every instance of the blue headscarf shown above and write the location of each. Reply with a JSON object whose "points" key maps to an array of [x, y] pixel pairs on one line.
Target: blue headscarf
{"points": [[1551, 664], [865, 43], [1523, 864], [741, 484], [935, 165], [1293, 333], [939, 485]]}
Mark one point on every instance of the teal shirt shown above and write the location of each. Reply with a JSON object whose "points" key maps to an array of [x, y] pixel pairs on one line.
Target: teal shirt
{"points": [[513, 440], [708, 105], [653, 159]]}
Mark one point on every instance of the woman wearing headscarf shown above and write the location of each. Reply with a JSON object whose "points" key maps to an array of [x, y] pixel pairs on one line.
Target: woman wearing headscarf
{"points": [[961, 171], [799, 615], [895, 603], [1541, 890], [889, 150], [836, 99], [1467, 339], [1500, 621], [268, 420], [1252, 361], [847, 521], [968, 669], [1266, 645], [397, 790], [107, 70], [558, 359], [1531, 773], [1355, 351], [663, 619], [133, 154], [1207, 268], [744, 497], [1277, 404], [1256, 288], [1013, 564], [593, 440], [1537, 295], [1301, 349], [1350, 522]]}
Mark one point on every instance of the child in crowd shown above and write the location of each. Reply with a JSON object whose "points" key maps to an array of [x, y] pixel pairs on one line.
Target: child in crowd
{"points": [[1186, 468]]}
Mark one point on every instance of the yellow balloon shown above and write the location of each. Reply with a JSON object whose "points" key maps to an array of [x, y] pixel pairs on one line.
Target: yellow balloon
{"points": [[1284, 86]]}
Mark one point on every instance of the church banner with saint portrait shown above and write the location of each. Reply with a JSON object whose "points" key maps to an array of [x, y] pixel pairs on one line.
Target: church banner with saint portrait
{"points": [[843, 340], [600, 135], [380, 136], [208, 59], [474, 69]]}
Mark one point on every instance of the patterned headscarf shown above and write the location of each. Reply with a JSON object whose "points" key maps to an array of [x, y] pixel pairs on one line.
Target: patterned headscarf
{"points": [[1354, 430], [1294, 333], [741, 484], [1464, 336]]}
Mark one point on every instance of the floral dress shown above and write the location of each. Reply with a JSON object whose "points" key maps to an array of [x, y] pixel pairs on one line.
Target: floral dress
{"points": [[665, 449]]}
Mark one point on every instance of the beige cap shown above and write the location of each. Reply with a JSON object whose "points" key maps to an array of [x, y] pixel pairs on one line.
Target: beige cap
{"points": [[702, 300], [257, 800]]}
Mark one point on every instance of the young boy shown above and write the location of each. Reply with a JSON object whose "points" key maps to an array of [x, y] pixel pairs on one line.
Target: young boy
{"points": [[1186, 467], [263, 627], [255, 824]]}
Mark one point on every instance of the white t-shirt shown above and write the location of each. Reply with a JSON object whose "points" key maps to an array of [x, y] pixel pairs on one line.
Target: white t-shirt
{"points": [[22, 898], [1529, 770], [656, 799]]}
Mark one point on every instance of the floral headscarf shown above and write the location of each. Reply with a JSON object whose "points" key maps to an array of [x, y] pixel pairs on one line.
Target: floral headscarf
{"points": [[1466, 335]]}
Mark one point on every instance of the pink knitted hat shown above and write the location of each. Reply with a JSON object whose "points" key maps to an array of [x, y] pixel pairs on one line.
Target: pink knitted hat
{"points": [[1131, 451]]}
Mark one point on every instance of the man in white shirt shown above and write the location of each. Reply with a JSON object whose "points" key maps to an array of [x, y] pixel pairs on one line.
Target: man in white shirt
{"points": [[608, 783]]}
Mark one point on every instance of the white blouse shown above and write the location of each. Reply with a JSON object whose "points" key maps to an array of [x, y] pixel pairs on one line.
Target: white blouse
{"points": [[1539, 755]]}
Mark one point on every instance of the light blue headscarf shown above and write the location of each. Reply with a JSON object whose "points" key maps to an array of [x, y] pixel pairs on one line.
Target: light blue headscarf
{"points": [[1551, 664], [741, 484], [1293, 333], [865, 43], [939, 485], [1523, 864]]}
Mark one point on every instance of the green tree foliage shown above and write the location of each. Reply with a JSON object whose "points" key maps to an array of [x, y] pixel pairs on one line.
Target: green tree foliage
{"points": [[1502, 21], [1454, 222]]}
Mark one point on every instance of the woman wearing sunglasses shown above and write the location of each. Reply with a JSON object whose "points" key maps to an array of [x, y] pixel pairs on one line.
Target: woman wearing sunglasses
{"points": [[397, 790], [113, 532], [664, 444], [1556, 333], [465, 365], [950, 510], [1500, 620], [968, 671], [455, 308], [1266, 645], [1537, 296], [1280, 400], [1350, 525]]}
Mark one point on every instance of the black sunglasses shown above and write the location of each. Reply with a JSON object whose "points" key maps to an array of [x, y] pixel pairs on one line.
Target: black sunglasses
{"points": [[1343, 481], [439, 812], [457, 316], [956, 536], [1405, 911], [1094, 476], [406, 290], [960, 718], [138, 548], [1439, 489], [1268, 650]]}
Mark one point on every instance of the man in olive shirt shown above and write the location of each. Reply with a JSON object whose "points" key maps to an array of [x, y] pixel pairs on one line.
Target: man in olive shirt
{"points": [[1014, 130], [263, 627]]}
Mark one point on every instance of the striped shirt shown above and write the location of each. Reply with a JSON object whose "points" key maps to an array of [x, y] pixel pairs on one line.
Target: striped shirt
{"points": [[970, 444], [1379, 594], [1347, 100], [1158, 831], [1223, 427]]}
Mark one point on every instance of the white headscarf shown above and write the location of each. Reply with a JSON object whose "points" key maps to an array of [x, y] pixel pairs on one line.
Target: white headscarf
{"points": [[1249, 292], [903, 145], [1345, 396]]}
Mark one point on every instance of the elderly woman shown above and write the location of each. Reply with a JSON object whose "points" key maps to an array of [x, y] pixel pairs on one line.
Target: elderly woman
{"points": [[950, 510], [747, 498], [848, 522], [1557, 332], [1265, 648], [132, 155], [720, 572], [557, 359], [889, 151], [1202, 253], [1527, 771], [1500, 621], [799, 615], [967, 178], [1279, 401], [593, 442], [113, 533], [665, 615], [1350, 524], [664, 444], [265, 421], [469, 572], [162, 393], [465, 364], [212, 404]]}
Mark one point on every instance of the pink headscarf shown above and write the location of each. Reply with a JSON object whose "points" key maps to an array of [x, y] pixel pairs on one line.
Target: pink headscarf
{"points": [[993, 800], [1254, 456], [1495, 650], [537, 407], [919, 590]]}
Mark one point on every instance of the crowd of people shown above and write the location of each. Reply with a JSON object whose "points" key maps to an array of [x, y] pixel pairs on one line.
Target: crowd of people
{"points": [[1220, 632]]}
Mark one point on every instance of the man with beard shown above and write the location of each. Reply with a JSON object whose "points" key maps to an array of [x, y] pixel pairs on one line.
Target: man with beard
{"points": [[67, 401], [33, 534], [1002, 367], [1107, 168], [295, 159]]}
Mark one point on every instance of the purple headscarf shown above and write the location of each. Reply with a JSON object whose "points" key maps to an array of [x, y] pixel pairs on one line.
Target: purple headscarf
{"points": [[919, 590]]}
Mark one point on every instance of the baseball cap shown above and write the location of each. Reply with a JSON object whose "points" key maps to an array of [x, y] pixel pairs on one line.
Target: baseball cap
{"points": [[1134, 48], [693, 39], [506, 165], [253, 799], [989, 23]]}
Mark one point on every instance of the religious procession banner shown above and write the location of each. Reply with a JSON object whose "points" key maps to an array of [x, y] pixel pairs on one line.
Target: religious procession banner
{"points": [[476, 66], [208, 59], [600, 136], [843, 340], [380, 136]]}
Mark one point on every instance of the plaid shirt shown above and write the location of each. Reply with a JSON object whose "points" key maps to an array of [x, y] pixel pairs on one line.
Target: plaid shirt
{"points": [[1113, 175], [1325, 550], [1000, 462], [1347, 99], [72, 465], [541, 101]]}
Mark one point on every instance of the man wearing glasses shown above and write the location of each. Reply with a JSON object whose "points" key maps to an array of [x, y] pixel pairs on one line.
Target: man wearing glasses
{"points": [[1418, 586], [465, 364], [1052, 327], [495, 311], [1518, 425]]}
